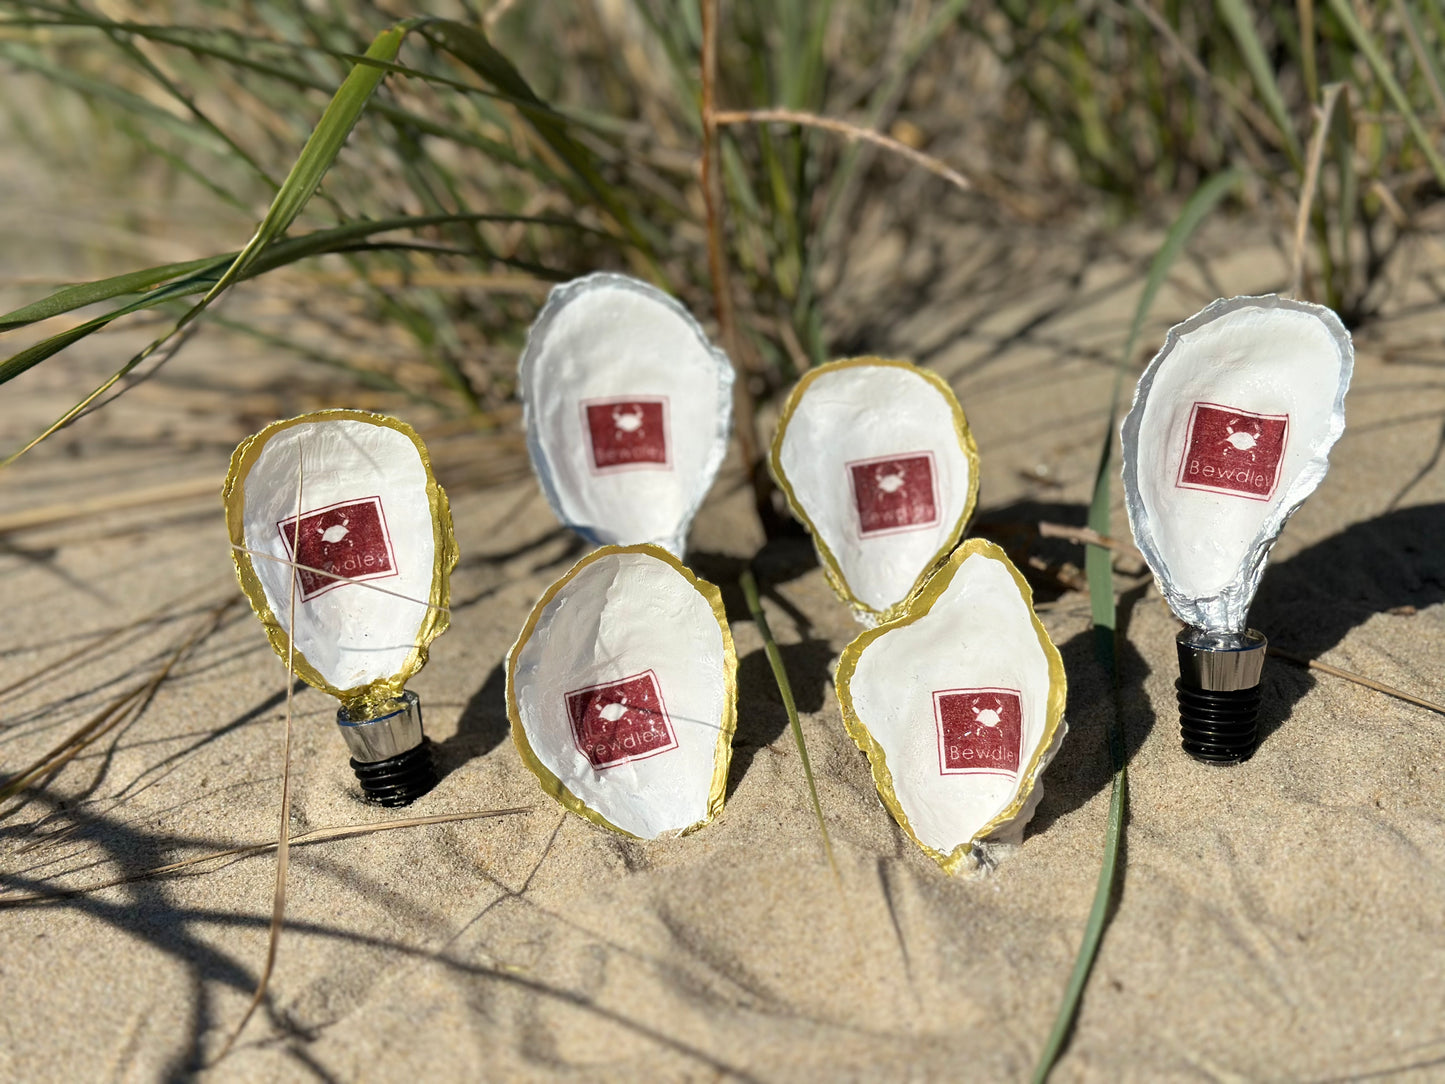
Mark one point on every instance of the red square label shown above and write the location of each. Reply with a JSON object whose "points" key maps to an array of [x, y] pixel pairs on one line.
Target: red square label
{"points": [[620, 721], [627, 433], [1233, 451], [979, 730], [894, 493], [348, 540]]}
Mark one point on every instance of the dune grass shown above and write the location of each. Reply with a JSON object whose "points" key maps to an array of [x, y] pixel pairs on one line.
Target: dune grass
{"points": [[1327, 118], [1104, 606]]}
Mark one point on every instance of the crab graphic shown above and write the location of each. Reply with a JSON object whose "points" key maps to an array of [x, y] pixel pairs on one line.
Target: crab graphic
{"points": [[610, 713], [891, 482], [988, 717], [627, 421], [336, 532], [1239, 439]]}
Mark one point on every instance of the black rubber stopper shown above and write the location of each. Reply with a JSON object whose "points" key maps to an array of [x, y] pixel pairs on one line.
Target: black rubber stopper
{"points": [[1218, 727], [398, 780]]}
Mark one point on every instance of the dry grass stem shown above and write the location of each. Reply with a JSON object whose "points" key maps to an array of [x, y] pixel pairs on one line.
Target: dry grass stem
{"points": [[110, 502], [1085, 536], [319, 835], [1358, 679], [339, 579], [848, 131], [744, 410], [1323, 117], [283, 850]]}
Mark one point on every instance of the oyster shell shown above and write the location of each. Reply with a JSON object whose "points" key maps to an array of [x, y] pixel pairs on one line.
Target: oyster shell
{"points": [[877, 461], [959, 704], [373, 542], [1230, 431], [622, 692], [627, 408]]}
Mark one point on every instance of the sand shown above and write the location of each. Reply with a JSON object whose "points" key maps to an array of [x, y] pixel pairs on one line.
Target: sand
{"points": [[1277, 920]]}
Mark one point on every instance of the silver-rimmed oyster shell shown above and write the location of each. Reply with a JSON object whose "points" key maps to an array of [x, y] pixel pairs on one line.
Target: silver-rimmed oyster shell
{"points": [[1231, 429], [627, 407]]}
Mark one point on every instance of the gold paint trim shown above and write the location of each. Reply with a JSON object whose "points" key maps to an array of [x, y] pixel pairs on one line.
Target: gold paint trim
{"points": [[831, 568], [361, 698], [722, 755], [919, 607]]}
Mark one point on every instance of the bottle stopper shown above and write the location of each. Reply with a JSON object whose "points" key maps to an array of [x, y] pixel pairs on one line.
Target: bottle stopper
{"points": [[1231, 429], [342, 541]]}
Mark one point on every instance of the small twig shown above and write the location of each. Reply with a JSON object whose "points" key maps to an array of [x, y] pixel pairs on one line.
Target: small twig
{"points": [[785, 690], [1358, 679], [319, 835], [1086, 536], [849, 131]]}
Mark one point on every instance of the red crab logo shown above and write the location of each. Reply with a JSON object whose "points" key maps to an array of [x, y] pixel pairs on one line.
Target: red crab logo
{"points": [[345, 541], [979, 730], [894, 493], [627, 433], [620, 720], [1233, 451]]}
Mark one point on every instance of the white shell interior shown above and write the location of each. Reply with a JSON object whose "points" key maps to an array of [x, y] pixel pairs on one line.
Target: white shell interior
{"points": [[863, 413], [608, 339], [622, 615], [352, 635], [1264, 355], [979, 634]]}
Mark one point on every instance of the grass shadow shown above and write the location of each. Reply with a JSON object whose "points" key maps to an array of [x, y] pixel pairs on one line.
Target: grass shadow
{"points": [[482, 727], [1083, 768], [1309, 603]]}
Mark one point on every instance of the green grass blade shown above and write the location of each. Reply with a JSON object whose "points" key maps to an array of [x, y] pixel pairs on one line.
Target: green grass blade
{"points": [[1093, 929], [1237, 17], [321, 149], [470, 46], [316, 157], [1205, 198], [1389, 83], [785, 690], [89, 293], [1429, 63], [33, 355], [22, 56], [1309, 64], [341, 238], [1100, 575]]}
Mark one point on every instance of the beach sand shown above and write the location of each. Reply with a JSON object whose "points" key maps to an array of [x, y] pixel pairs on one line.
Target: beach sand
{"points": [[1276, 920]]}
